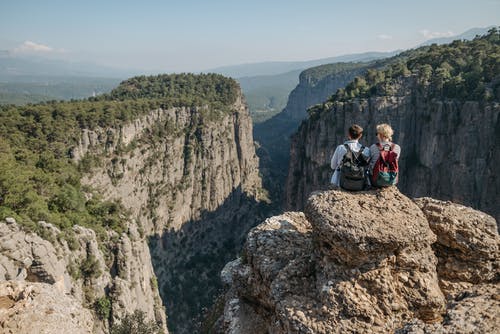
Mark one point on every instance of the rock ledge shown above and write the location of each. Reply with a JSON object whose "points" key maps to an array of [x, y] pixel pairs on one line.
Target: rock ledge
{"points": [[370, 262]]}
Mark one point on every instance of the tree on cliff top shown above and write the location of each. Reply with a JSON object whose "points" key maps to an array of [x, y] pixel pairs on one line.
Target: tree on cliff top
{"points": [[38, 179], [465, 70]]}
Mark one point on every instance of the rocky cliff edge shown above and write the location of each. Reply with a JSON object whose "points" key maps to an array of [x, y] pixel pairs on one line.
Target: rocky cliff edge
{"points": [[55, 286], [369, 262]]}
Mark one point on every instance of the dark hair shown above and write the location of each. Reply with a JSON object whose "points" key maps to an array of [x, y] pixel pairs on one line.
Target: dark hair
{"points": [[355, 131]]}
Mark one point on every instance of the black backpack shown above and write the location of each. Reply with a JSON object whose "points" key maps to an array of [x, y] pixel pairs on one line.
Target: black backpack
{"points": [[352, 170]]}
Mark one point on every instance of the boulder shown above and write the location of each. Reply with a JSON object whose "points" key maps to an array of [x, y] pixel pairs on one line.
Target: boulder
{"points": [[27, 308], [361, 228], [474, 310], [468, 244], [367, 262], [375, 265]]}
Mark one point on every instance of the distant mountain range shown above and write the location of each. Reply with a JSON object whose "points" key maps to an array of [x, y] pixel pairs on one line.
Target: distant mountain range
{"points": [[15, 68], [279, 67], [266, 84], [468, 35]]}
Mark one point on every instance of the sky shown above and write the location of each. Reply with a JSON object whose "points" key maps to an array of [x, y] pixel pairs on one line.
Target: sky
{"points": [[195, 35]]}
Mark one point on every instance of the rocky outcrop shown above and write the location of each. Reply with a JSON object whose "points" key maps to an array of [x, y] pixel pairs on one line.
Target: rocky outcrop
{"points": [[27, 308], [467, 246], [69, 275], [448, 146], [366, 262], [26, 256]]}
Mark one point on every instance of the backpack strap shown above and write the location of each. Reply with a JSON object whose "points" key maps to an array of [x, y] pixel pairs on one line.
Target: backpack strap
{"points": [[382, 147], [355, 154], [341, 161], [360, 154], [348, 148]]}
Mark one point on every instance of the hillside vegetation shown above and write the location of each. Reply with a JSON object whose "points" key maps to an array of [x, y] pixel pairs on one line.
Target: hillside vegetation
{"points": [[465, 70], [267, 95], [39, 180], [431, 96]]}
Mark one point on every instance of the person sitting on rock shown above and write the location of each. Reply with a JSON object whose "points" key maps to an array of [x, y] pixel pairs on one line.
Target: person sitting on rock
{"points": [[384, 156], [349, 161]]}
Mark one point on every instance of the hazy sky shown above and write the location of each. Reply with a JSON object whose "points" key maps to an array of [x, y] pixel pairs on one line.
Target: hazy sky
{"points": [[194, 35]]}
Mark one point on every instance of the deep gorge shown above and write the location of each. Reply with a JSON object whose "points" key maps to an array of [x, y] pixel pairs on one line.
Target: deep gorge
{"points": [[148, 192]]}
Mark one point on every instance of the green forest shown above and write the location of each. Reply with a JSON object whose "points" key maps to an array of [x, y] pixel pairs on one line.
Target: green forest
{"points": [[40, 181], [464, 70]]}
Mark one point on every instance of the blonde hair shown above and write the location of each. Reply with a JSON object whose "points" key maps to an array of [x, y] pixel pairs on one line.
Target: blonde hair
{"points": [[385, 131]]}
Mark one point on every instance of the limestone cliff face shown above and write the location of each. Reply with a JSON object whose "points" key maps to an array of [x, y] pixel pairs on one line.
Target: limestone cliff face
{"points": [[449, 147], [53, 286], [367, 262], [41, 308], [317, 84], [189, 177], [170, 165]]}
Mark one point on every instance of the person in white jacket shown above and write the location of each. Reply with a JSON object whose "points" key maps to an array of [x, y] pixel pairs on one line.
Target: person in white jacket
{"points": [[354, 133]]}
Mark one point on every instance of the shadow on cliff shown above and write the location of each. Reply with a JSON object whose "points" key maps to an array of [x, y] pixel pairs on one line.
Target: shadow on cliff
{"points": [[273, 136], [424, 128], [187, 262]]}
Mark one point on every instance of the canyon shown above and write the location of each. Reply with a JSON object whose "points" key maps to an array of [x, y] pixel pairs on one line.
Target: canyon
{"points": [[273, 135], [449, 147], [187, 178], [194, 192], [138, 202]]}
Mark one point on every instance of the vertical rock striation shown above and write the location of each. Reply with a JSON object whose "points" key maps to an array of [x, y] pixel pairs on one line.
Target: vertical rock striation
{"points": [[315, 86], [172, 164], [69, 277], [449, 147], [189, 176]]}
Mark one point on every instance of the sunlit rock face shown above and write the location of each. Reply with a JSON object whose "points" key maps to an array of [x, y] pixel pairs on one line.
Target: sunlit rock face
{"points": [[366, 262]]}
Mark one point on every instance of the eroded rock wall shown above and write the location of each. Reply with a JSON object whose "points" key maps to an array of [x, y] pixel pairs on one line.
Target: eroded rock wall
{"points": [[366, 262], [67, 279], [190, 178], [172, 164], [449, 147]]}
